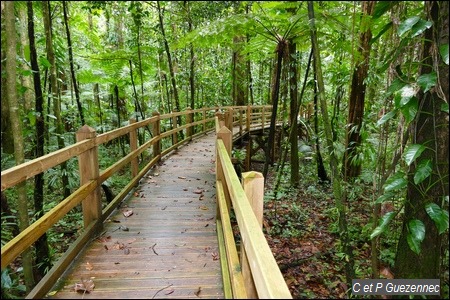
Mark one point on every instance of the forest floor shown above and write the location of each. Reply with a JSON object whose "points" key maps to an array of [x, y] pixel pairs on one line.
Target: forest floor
{"points": [[301, 228]]}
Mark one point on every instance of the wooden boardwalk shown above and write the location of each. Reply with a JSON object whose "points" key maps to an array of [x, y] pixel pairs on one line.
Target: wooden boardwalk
{"points": [[167, 247]]}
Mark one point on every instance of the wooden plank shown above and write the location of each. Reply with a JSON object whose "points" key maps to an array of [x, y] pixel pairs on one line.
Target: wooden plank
{"points": [[170, 239], [267, 276], [234, 268], [27, 237]]}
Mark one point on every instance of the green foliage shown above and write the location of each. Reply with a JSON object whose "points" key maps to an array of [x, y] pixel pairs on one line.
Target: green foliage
{"points": [[416, 234], [412, 152], [438, 215], [11, 286], [384, 222]]}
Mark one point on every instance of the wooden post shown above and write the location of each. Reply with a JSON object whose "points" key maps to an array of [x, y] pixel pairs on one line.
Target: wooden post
{"points": [[249, 114], [88, 168], [253, 184], [133, 146], [189, 120], [263, 118], [241, 121], [225, 135], [229, 119], [174, 125], [221, 117], [204, 120], [156, 133]]}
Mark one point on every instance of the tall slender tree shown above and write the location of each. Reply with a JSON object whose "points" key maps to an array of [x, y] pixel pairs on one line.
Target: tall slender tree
{"points": [[16, 127], [352, 164], [59, 126], [72, 68], [41, 245], [170, 62], [336, 177]]}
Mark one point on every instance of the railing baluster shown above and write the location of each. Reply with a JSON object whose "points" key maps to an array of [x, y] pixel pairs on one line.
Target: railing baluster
{"points": [[253, 184], [89, 170], [133, 146], [157, 132]]}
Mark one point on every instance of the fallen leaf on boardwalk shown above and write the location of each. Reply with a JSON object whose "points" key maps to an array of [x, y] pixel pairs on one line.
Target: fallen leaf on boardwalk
{"points": [[203, 207], [127, 213], [118, 246], [197, 293], [181, 177], [126, 251], [198, 192], [170, 292], [201, 197], [89, 267], [215, 255], [104, 239], [86, 286], [136, 194], [185, 189]]}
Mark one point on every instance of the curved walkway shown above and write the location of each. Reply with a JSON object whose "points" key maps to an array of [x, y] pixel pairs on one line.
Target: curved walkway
{"points": [[162, 241]]}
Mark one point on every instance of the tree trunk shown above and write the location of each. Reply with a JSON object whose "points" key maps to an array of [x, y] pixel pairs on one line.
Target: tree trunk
{"points": [[430, 128], [192, 60], [25, 79], [293, 92], [321, 171], [16, 127], [352, 164], [72, 69], [239, 73], [54, 92], [336, 176], [169, 60], [281, 48], [41, 245]]}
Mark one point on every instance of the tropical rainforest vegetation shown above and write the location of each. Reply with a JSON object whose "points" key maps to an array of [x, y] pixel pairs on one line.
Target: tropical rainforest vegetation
{"points": [[358, 187]]}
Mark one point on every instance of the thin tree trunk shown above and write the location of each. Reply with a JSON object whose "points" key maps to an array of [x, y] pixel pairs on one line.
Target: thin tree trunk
{"points": [[54, 92], [352, 165], [24, 43], [293, 91], [16, 127], [72, 69], [281, 47], [336, 176], [41, 245], [321, 171], [169, 60]]}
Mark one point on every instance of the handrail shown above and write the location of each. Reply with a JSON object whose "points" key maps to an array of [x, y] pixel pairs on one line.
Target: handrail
{"points": [[264, 279], [197, 122]]}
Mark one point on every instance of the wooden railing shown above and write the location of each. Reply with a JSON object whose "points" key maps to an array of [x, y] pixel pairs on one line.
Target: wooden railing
{"points": [[163, 128], [253, 273]]}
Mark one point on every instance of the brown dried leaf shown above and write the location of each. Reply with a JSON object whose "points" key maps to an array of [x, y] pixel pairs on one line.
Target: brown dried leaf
{"points": [[215, 255], [89, 267], [203, 207], [169, 291], [198, 191], [181, 177], [86, 286], [197, 293], [127, 213]]}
